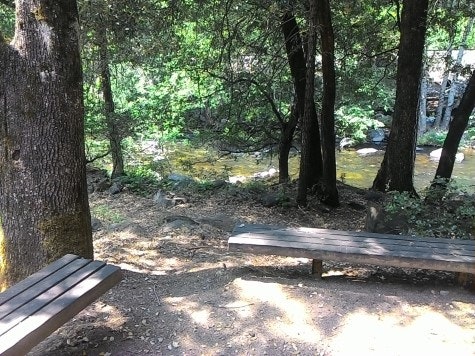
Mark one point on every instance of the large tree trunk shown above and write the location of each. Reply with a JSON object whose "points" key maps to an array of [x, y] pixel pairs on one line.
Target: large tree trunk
{"points": [[328, 190], [454, 135], [309, 118], [44, 205], [397, 169], [115, 138]]}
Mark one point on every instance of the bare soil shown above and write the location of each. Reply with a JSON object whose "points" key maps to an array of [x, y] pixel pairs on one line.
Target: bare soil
{"points": [[183, 293]]}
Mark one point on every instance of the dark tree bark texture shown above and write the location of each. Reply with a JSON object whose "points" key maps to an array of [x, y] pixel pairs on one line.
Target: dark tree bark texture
{"points": [[328, 191], [115, 140], [456, 129], [309, 123], [397, 169], [44, 211]]}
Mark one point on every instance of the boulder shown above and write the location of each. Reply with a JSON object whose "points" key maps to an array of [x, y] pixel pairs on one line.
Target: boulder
{"points": [[435, 155], [367, 151]]}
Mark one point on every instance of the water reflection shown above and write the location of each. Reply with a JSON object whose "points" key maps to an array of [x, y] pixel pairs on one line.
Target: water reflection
{"points": [[361, 171], [353, 169]]}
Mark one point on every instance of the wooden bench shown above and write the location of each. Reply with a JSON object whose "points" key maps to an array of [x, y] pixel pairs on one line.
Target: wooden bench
{"points": [[38, 305], [358, 247]]}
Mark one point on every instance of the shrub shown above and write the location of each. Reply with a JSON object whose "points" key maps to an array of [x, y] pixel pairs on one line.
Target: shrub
{"points": [[355, 121], [450, 214]]}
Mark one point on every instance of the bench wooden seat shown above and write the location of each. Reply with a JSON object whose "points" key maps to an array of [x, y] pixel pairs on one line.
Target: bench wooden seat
{"points": [[38, 305], [358, 247]]}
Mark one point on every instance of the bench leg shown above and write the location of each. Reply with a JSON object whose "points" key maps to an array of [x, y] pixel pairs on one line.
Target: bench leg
{"points": [[317, 268], [466, 280]]}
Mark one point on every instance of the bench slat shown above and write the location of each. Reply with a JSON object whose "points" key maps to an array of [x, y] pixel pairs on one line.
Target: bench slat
{"points": [[359, 247], [388, 245], [36, 289], [313, 230], [35, 278], [59, 283], [38, 326], [467, 245]]}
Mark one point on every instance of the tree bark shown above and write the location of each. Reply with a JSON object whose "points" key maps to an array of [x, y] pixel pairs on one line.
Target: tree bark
{"points": [[455, 73], [309, 118], [44, 209], [455, 133], [115, 137], [422, 117], [397, 169], [328, 191], [297, 64]]}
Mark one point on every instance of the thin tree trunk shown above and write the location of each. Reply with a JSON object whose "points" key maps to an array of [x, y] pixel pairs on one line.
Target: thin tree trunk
{"points": [[441, 102], [422, 118], [44, 205], [454, 135], [455, 74], [328, 190], [397, 169], [285, 144], [115, 139]]}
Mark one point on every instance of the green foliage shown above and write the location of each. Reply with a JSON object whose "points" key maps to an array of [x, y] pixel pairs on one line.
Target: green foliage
{"points": [[354, 122], [432, 138], [450, 215], [7, 22], [141, 180], [106, 214]]}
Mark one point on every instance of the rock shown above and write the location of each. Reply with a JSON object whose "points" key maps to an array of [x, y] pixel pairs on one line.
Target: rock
{"points": [[222, 222], [265, 174], [367, 151], [270, 199], [175, 222], [377, 220], [218, 183], [160, 198], [103, 185], [180, 178], [96, 224], [435, 155], [115, 188], [237, 179], [376, 135], [345, 142]]}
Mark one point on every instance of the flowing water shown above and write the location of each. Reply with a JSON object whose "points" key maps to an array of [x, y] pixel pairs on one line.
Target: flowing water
{"points": [[352, 168]]}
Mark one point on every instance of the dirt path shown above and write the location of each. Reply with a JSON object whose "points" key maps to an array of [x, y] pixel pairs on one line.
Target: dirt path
{"points": [[183, 293]]}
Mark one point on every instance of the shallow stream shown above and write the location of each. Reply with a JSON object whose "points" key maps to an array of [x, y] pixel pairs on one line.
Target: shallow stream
{"points": [[352, 168]]}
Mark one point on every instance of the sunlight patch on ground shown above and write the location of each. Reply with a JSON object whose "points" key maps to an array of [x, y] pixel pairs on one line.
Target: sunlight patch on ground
{"points": [[292, 320], [429, 333]]}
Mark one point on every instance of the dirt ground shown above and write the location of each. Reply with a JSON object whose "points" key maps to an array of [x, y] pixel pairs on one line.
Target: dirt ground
{"points": [[183, 293]]}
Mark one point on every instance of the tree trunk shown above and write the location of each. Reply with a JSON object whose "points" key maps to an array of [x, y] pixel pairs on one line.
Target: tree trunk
{"points": [[454, 135], [397, 169], [308, 119], [44, 205], [296, 59], [115, 138], [457, 68], [422, 117], [328, 190], [285, 144], [441, 102]]}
